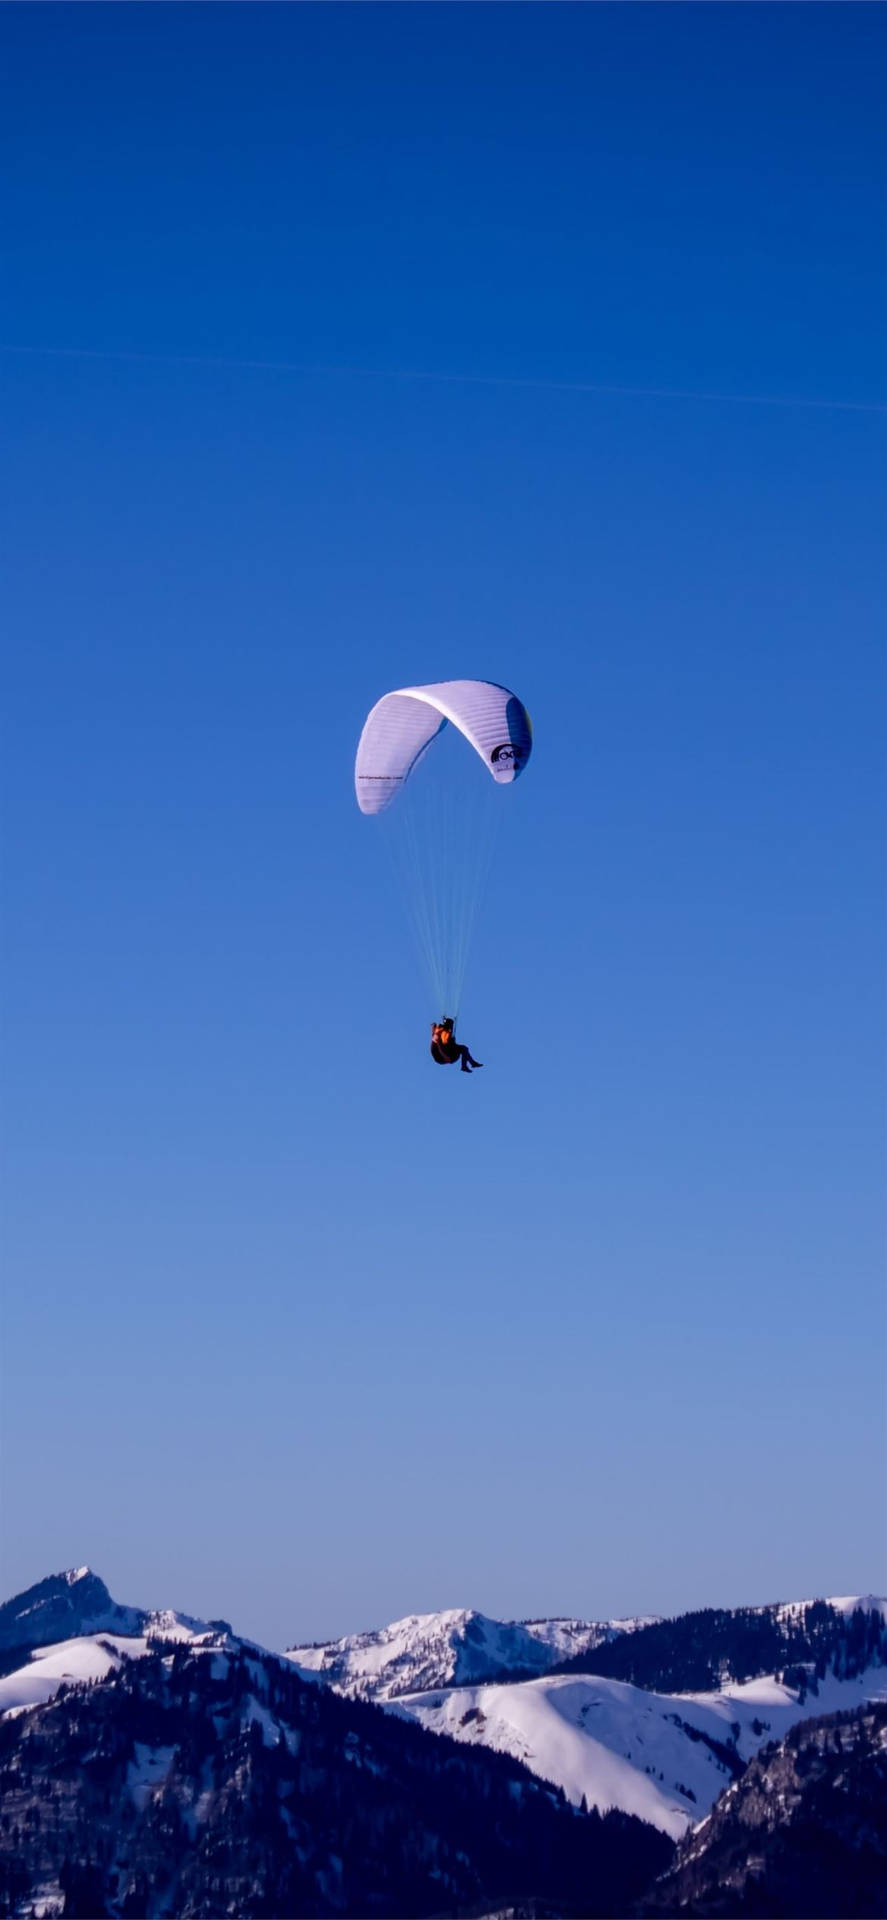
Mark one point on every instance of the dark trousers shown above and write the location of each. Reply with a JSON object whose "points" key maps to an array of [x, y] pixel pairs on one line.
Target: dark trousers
{"points": [[447, 1056]]}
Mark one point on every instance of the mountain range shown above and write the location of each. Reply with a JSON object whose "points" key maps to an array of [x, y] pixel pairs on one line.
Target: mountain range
{"points": [[156, 1763], [653, 1717]]}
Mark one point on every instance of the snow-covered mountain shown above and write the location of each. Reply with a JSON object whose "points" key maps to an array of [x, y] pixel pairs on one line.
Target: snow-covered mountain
{"points": [[663, 1757], [200, 1774], [708, 1648], [70, 1629], [663, 1753], [74, 1603], [93, 1656], [621, 1739], [450, 1649]]}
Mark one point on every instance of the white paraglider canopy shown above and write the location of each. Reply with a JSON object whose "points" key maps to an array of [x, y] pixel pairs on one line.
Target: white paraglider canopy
{"points": [[441, 833], [403, 724]]}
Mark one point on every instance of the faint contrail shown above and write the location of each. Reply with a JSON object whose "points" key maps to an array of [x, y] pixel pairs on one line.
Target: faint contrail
{"points": [[532, 382]]}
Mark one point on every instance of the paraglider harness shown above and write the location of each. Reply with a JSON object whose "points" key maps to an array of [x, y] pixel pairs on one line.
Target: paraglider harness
{"points": [[444, 1050]]}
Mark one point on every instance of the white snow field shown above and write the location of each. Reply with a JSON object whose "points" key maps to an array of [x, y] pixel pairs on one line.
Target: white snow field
{"points": [[89, 1656], [621, 1746]]}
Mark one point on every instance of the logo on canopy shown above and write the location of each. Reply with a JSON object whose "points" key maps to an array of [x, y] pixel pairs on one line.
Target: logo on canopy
{"points": [[508, 755]]}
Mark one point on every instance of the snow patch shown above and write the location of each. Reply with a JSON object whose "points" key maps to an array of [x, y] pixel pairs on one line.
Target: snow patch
{"points": [[147, 1772], [88, 1656], [254, 1714]]}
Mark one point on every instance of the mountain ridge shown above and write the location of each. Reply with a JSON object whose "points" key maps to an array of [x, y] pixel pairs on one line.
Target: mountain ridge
{"points": [[72, 1603], [708, 1647], [658, 1753], [199, 1773], [450, 1648], [803, 1833]]}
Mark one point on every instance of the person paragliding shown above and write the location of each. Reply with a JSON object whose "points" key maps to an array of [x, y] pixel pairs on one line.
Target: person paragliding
{"points": [[445, 1048], [440, 817]]}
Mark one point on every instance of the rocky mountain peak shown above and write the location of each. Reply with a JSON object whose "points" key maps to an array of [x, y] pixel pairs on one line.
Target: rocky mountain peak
{"points": [[75, 1601]]}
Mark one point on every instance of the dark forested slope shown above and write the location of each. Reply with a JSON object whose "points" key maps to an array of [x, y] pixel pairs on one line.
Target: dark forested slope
{"points": [[802, 1835], [211, 1780]]}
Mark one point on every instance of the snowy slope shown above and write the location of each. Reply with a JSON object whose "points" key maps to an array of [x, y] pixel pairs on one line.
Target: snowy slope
{"points": [[91, 1656], [448, 1649], [850, 1603], [85, 1658], [566, 1638], [622, 1746]]}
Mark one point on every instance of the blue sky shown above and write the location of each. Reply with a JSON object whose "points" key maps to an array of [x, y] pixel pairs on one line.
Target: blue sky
{"points": [[297, 1329]]}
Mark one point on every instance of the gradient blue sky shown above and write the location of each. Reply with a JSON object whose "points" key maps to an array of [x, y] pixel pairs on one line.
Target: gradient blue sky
{"points": [[299, 1330]]}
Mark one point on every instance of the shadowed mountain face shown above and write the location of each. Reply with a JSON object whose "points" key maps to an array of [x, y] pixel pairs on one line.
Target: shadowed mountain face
{"points": [[62, 1605], [209, 1778], [803, 1834], [72, 1605]]}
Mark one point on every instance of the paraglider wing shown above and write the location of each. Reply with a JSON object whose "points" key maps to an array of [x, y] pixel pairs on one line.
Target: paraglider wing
{"points": [[440, 819], [402, 726]]}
